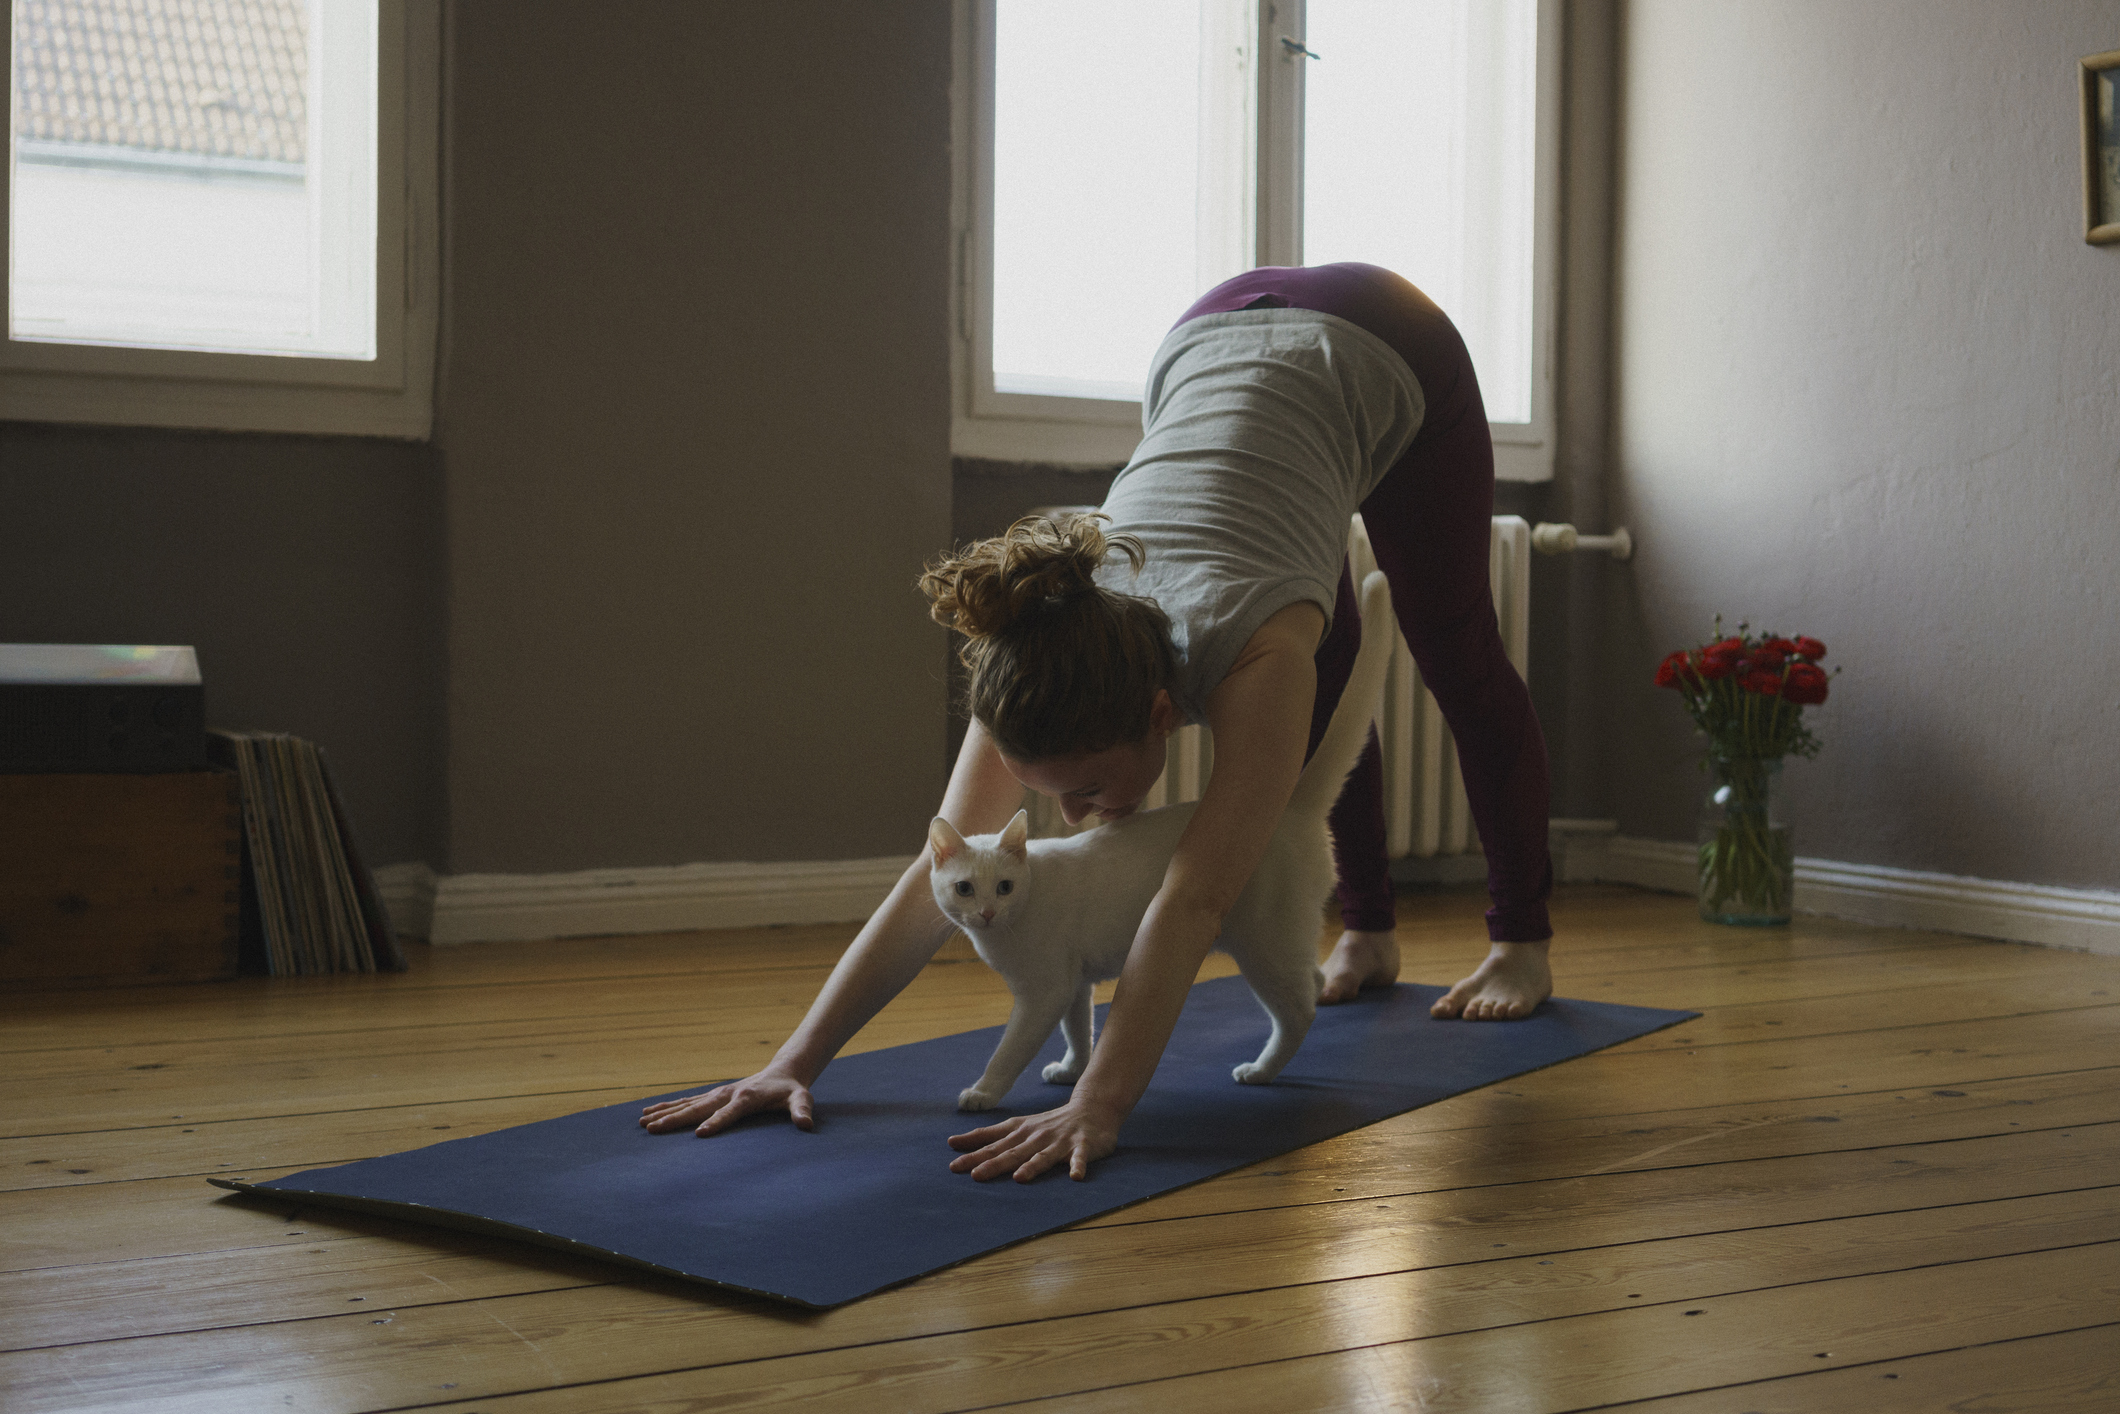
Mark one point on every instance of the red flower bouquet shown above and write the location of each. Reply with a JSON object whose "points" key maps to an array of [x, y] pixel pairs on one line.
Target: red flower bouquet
{"points": [[1747, 694]]}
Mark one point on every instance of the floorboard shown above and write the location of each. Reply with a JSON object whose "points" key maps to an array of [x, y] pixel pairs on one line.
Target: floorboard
{"points": [[2041, 1374], [1610, 1357], [1882, 1171]]}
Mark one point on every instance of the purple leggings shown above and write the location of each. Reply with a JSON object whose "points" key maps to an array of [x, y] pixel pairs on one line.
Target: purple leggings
{"points": [[1428, 523]]}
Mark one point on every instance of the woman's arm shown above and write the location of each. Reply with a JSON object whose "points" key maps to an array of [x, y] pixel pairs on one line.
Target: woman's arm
{"points": [[897, 941], [1261, 720]]}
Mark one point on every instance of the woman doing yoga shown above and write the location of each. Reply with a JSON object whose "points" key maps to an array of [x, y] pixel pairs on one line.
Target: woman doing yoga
{"points": [[1285, 400]]}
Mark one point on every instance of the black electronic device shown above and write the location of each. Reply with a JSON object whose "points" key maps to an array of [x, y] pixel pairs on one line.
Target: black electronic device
{"points": [[92, 707]]}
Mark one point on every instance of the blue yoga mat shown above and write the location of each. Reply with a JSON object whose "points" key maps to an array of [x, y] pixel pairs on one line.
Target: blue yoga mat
{"points": [[867, 1201]]}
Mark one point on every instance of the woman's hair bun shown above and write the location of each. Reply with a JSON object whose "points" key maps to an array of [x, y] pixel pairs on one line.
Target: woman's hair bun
{"points": [[986, 587]]}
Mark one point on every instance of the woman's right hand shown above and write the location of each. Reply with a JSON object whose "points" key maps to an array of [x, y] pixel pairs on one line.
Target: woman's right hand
{"points": [[898, 940], [722, 1106]]}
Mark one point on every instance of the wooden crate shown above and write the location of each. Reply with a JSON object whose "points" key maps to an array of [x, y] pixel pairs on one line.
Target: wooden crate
{"points": [[113, 879]]}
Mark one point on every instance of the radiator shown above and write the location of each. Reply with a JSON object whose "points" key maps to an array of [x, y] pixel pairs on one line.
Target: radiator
{"points": [[1425, 811]]}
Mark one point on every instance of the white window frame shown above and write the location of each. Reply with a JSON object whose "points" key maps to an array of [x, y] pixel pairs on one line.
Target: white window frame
{"points": [[391, 395], [1022, 427]]}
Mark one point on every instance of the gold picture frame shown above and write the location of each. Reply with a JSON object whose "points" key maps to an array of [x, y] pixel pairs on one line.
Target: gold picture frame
{"points": [[2101, 148]]}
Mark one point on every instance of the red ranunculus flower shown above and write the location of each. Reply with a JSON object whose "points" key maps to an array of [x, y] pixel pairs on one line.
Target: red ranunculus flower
{"points": [[1747, 692], [1719, 660], [1806, 685]]}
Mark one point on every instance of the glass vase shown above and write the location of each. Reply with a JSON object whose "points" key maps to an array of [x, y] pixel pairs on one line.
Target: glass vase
{"points": [[1747, 860]]}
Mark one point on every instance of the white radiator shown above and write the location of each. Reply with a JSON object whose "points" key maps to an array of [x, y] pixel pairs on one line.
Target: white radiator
{"points": [[1425, 811]]}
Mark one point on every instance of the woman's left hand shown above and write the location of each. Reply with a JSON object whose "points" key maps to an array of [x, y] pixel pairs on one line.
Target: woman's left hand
{"points": [[1075, 1134]]}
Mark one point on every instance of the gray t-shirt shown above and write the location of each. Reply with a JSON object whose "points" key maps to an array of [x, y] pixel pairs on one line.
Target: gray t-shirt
{"points": [[1264, 430]]}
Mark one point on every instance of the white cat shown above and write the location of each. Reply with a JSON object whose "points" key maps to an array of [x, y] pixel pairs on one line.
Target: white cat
{"points": [[1055, 917]]}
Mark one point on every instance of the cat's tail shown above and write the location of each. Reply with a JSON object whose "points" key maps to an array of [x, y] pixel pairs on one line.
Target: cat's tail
{"points": [[1345, 735]]}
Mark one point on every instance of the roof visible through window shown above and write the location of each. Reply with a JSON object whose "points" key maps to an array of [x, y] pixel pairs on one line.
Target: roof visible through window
{"points": [[216, 81]]}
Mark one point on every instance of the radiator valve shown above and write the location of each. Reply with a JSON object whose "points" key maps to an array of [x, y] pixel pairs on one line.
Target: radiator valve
{"points": [[1549, 538]]}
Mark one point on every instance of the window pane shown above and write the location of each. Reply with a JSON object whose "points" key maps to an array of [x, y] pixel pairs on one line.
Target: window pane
{"points": [[195, 174], [1420, 149], [1121, 150]]}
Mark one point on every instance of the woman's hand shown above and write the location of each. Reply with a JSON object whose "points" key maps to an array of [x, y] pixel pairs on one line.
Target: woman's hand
{"points": [[722, 1106], [1075, 1134]]}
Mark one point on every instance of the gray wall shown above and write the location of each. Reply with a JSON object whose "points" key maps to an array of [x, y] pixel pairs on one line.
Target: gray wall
{"points": [[1869, 389], [306, 570], [696, 423], [652, 583]]}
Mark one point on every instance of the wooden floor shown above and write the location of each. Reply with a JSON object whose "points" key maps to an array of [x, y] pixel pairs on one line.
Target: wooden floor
{"points": [[1881, 1173]]}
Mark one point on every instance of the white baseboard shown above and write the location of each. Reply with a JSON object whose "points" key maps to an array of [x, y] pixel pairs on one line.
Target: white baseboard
{"points": [[2087, 920], [2083, 919], [481, 908]]}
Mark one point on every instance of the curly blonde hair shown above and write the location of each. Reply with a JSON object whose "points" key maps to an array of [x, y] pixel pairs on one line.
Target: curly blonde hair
{"points": [[1058, 665]]}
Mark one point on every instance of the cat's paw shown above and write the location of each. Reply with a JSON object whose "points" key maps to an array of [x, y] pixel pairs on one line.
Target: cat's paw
{"points": [[1061, 1073], [972, 1099], [1252, 1073]]}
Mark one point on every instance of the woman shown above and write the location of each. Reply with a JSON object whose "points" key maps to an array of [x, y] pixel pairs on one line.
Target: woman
{"points": [[1280, 403]]}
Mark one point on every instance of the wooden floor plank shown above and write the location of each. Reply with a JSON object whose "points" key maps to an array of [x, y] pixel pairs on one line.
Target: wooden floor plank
{"points": [[502, 1016], [279, 1141], [1407, 1155], [57, 1017], [34, 1028], [1760, 1071], [1362, 1167], [1780, 1001], [598, 1333], [167, 1217], [670, 1058], [312, 1279], [1856, 1102], [2076, 1372], [1385, 1153], [1424, 1150], [401, 1356], [657, 1060], [1593, 1362], [1736, 1023]]}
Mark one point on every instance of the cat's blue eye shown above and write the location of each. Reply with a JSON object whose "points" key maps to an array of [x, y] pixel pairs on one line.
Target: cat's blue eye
{"points": [[1004, 886], [964, 888]]}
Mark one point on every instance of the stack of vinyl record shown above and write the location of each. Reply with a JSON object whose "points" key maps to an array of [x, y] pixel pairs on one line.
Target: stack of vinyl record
{"points": [[317, 906]]}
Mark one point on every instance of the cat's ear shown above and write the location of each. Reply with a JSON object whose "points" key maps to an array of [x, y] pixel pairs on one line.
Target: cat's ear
{"points": [[944, 839], [1016, 838]]}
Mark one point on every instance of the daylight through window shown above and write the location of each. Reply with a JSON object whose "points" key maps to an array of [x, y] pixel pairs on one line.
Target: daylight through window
{"points": [[1127, 175], [196, 174]]}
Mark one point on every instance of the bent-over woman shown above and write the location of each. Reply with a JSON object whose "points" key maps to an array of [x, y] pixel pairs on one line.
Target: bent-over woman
{"points": [[1282, 402]]}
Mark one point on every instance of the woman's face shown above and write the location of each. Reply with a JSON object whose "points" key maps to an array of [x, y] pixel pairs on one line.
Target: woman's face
{"points": [[1110, 784]]}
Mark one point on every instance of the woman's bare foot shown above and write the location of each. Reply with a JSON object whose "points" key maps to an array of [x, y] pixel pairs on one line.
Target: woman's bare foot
{"points": [[1513, 980], [1360, 960]]}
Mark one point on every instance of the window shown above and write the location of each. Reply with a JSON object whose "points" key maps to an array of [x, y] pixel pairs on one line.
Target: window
{"points": [[221, 214], [1119, 157]]}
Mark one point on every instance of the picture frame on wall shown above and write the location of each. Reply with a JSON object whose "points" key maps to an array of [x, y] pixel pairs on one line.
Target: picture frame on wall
{"points": [[2101, 148]]}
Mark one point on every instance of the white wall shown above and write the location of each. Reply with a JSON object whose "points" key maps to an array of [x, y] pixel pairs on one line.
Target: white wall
{"points": [[1868, 388]]}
